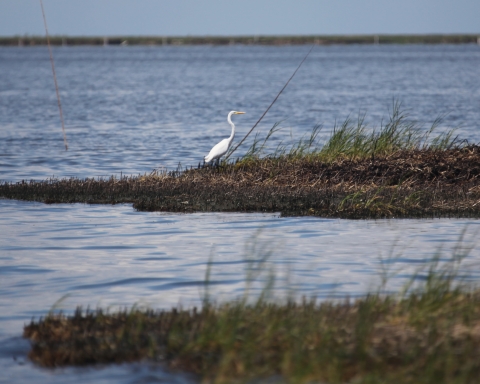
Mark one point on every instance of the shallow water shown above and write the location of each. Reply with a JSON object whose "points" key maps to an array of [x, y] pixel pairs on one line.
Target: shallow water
{"points": [[132, 109], [112, 256]]}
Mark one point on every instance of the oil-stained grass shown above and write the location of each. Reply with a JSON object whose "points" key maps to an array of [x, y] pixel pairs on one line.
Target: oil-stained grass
{"points": [[428, 333]]}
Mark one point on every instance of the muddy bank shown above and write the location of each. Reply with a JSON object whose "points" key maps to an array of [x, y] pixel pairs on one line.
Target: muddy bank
{"points": [[416, 183]]}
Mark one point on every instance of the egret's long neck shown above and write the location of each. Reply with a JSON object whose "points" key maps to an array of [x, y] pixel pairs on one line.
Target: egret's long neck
{"points": [[230, 139]]}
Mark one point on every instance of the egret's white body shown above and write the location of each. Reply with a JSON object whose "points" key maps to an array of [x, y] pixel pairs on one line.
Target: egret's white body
{"points": [[222, 147]]}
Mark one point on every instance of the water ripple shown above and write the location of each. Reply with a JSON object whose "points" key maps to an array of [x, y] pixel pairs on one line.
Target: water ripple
{"points": [[130, 110]]}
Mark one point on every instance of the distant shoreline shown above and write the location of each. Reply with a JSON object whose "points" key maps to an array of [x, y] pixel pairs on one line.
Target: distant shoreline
{"points": [[243, 40]]}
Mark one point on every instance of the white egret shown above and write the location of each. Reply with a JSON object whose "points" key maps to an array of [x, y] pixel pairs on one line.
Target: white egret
{"points": [[222, 147]]}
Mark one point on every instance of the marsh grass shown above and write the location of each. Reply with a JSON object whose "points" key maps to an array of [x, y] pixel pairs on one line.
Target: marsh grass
{"points": [[353, 139], [428, 333], [401, 170], [409, 183], [245, 40]]}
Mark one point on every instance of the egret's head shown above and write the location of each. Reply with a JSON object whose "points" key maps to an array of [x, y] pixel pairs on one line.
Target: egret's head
{"points": [[238, 113]]}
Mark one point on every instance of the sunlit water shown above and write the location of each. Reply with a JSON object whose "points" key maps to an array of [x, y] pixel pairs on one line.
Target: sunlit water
{"points": [[132, 109]]}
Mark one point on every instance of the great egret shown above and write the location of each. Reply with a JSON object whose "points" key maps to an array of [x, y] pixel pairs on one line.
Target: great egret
{"points": [[222, 147]]}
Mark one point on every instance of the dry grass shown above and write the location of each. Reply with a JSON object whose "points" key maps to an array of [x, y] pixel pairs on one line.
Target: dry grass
{"points": [[407, 183], [399, 170]]}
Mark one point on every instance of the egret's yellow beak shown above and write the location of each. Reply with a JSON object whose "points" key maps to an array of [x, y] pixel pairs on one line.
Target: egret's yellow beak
{"points": [[239, 113]]}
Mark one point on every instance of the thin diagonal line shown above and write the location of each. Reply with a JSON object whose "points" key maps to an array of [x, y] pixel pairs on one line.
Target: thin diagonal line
{"points": [[273, 102], [54, 78]]}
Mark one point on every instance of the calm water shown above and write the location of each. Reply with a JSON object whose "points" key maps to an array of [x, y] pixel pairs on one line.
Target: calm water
{"points": [[132, 109]]}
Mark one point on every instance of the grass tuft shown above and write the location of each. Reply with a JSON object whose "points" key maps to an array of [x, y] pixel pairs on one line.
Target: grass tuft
{"points": [[354, 140], [428, 334]]}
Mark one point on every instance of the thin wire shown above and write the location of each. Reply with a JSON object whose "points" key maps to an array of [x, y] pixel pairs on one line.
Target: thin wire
{"points": [[54, 78], [273, 102]]}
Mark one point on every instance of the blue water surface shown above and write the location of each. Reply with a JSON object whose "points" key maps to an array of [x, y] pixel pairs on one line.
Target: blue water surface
{"points": [[130, 110]]}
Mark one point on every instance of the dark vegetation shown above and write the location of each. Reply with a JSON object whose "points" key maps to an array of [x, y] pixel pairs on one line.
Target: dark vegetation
{"points": [[409, 183], [428, 334], [247, 40], [399, 170]]}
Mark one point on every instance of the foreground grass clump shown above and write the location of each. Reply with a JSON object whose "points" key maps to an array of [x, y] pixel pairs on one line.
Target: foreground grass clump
{"points": [[429, 336]]}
